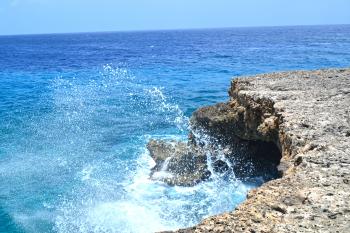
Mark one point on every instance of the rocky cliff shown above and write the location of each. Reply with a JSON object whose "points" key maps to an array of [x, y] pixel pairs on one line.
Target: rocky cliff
{"points": [[306, 114]]}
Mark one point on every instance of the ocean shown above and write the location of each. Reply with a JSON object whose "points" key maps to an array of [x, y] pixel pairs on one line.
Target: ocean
{"points": [[77, 110]]}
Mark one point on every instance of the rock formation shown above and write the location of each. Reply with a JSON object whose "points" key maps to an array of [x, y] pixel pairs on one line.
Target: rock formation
{"points": [[205, 153], [178, 163], [306, 115]]}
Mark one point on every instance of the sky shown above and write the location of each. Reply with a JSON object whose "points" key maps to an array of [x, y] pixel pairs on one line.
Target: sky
{"points": [[62, 16]]}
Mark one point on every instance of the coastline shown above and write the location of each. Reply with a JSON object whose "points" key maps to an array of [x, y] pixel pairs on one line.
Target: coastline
{"points": [[306, 114]]}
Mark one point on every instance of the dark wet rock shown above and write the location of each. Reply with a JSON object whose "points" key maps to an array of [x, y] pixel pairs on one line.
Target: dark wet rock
{"points": [[220, 166], [226, 130], [185, 164], [178, 163]]}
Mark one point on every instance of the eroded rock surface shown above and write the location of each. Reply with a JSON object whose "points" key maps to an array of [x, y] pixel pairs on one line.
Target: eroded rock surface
{"points": [[307, 115], [178, 163], [186, 164]]}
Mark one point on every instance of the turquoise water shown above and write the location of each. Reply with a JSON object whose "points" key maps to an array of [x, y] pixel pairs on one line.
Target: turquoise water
{"points": [[76, 111]]}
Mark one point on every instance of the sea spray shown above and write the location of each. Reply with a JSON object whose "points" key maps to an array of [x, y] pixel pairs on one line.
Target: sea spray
{"points": [[82, 165], [73, 132], [132, 202]]}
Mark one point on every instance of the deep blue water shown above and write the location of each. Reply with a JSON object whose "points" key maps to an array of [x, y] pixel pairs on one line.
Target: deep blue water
{"points": [[76, 111]]}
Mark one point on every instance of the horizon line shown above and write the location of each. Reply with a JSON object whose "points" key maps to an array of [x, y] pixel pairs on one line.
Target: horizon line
{"points": [[171, 29]]}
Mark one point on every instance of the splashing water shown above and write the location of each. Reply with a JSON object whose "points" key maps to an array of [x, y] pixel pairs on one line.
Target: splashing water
{"points": [[135, 203], [72, 148], [83, 165]]}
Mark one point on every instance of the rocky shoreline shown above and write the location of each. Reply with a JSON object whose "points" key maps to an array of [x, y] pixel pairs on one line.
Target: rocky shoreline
{"points": [[302, 119]]}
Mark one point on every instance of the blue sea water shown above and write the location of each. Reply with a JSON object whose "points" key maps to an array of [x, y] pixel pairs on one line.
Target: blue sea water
{"points": [[76, 111]]}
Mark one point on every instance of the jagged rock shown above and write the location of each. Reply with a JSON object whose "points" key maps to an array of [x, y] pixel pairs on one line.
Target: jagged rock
{"points": [[185, 164], [306, 114], [249, 156], [178, 163], [232, 120]]}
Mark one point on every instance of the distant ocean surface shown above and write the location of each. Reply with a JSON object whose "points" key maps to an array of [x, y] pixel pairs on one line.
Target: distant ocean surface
{"points": [[76, 111]]}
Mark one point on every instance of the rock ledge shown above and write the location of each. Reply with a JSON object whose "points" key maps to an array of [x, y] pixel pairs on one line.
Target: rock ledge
{"points": [[306, 114]]}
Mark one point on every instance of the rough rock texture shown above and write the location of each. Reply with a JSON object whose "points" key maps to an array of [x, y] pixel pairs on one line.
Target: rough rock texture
{"points": [[307, 115], [234, 124], [186, 164], [178, 163]]}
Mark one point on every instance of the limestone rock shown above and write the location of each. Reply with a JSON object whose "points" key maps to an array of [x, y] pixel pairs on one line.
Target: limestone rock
{"points": [[306, 114]]}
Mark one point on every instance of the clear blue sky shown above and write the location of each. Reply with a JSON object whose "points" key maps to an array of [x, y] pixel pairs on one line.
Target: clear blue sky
{"points": [[54, 16]]}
